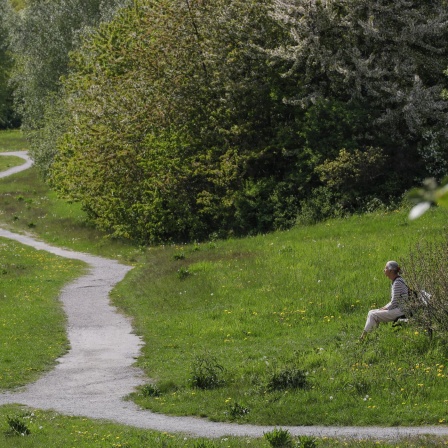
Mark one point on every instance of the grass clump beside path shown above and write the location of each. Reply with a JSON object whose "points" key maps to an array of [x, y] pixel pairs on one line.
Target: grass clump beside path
{"points": [[32, 323], [272, 322]]}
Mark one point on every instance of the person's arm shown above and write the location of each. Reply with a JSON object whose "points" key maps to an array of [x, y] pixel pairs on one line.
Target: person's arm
{"points": [[387, 306]]}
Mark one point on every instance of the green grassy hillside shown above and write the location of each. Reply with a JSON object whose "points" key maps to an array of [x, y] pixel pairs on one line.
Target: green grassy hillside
{"points": [[287, 309]]}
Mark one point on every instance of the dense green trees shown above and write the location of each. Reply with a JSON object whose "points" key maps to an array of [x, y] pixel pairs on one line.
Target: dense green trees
{"points": [[43, 34], [181, 119], [7, 116], [191, 117], [385, 61], [175, 113], [3, 63]]}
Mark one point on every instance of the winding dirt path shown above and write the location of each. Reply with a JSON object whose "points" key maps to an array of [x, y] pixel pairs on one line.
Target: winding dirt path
{"points": [[96, 374], [16, 169]]}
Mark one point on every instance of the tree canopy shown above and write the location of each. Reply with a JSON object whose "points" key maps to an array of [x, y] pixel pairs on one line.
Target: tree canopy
{"points": [[182, 119], [175, 110], [7, 116], [383, 58], [42, 36]]}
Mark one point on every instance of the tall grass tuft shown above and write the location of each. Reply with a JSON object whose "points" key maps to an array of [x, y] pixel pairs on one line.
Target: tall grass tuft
{"points": [[17, 426], [279, 438], [206, 373], [288, 378]]}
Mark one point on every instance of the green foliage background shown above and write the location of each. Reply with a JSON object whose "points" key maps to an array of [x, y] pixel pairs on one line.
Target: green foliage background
{"points": [[185, 136], [7, 116], [189, 119], [192, 119]]}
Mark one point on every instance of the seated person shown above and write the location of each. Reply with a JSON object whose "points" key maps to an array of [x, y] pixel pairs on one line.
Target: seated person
{"points": [[391, 311]]}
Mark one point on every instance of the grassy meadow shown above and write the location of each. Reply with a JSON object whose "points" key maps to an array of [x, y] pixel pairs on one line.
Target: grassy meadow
{"points": [[32, 323], [7, 162], [12, 140], [275, 319], [269, 323]]}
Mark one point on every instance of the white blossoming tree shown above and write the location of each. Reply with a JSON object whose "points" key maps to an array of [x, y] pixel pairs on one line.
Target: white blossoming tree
{"points": [[388, 57]]}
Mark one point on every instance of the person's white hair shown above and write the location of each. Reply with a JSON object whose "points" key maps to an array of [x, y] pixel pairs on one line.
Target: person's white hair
{"points": [[393, 266]]}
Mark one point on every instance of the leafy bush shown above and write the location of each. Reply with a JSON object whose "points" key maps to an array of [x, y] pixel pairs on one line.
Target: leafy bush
{"points": [[281, 438], [265, 204], [321, 204], [353, 174], [237, 411], [307, 442], [204, 444], [426, 272], [183, 273]]}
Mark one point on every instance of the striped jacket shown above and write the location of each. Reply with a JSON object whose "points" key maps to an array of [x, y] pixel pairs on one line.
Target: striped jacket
{"points": [[399, 293]]}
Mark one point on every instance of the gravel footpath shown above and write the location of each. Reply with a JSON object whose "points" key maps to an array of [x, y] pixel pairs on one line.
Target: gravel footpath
{"points": [[16, 169], [98, 371]]}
